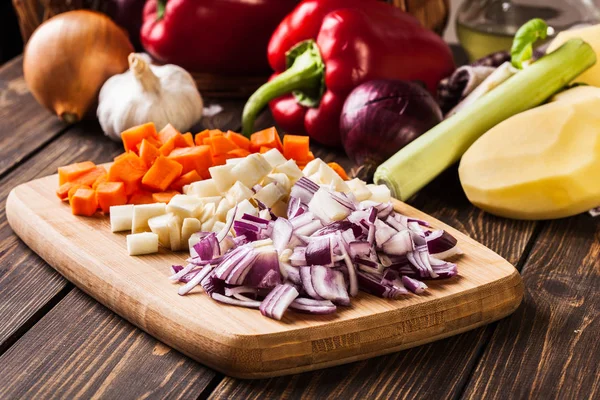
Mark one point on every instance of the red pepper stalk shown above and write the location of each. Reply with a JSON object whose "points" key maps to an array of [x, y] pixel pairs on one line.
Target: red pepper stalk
{"points": [[325, 48]]}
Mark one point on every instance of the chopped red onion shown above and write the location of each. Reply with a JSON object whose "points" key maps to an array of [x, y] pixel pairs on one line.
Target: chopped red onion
{"points": [[398, 244], [311, 306], [319, 252], [414, 285], [282, 234], [329, 284], [278, 300], [235, 302]]}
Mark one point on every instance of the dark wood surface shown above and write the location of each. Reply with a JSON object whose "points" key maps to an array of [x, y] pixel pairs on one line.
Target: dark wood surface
{"points": [[57, 342]]}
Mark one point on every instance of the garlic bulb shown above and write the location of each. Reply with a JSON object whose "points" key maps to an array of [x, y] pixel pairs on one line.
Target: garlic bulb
{"points": [[148, 93]]}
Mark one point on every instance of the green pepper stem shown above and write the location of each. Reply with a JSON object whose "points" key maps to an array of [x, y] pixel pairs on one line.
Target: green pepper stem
{"points": [[304, 75], [161, 5]]}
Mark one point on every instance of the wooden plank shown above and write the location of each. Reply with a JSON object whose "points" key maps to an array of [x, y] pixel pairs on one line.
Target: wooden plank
{"points": [[82, 350], [550, 348], [25, 126], [436, 370]]}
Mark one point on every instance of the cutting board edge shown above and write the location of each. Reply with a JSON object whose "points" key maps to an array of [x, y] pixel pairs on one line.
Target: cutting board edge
{"points": [[233, 345]]}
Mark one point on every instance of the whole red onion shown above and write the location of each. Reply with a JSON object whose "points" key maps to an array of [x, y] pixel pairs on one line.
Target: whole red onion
{"points": [[127, 14], [382, 116]]}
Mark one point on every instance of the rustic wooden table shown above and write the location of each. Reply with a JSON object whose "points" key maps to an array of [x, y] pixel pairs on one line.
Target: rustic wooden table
{"points": [[55, 341]]}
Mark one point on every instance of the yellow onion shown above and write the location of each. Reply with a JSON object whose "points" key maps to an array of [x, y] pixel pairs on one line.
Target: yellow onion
{"points": [[69, 57]]}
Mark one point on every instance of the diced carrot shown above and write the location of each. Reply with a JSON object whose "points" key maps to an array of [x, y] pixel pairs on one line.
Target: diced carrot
{"points": [[162, 174], [207, 141], [185, 179], [237, 153], [193, 158], [167, 133], [164, 197], [69, 173], [74, 188], [99, 180], [339, 170], [267, 137], [296, 147], [110, 194], [148, 153], [141, 197], [132, 136], [200, 136], [154, 142], [188, 139], [122, 155], [83, 202], [311, 156], [90, 177], [240, 140], [63, 191], [221, 145], [215, 132], [218, 159], [128, 169], [264, 149]]}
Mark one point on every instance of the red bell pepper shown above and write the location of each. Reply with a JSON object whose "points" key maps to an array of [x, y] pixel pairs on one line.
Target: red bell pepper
{"points": [[325, 48], [213, 36]]}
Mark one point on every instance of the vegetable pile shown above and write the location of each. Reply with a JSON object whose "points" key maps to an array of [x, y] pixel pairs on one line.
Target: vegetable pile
{"points": [[157, 165]]}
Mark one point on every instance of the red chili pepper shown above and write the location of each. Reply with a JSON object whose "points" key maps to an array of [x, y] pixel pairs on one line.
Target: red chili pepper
{"points": [[214, 36], [325, 48]]}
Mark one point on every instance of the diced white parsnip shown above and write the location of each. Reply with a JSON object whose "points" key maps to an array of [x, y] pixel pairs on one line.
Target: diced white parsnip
{"points": [[223, 177], [243, 207], [142, 213], [208, 211], [174, 226], [233, 161], [238, 192], [359, 188], [290, 168], [312, 167], [280, 209], [223, 208], [218, 226], [185, 206], [329, 177], [188, 228], [205, 188], [195, 238], [326, 207], [379, 193], [264, 214], [270, 194], [212, 199], [121, 218], [142, 243], [160, 226], [282, 180], [274, 158], [251, 170], [208, 224]]}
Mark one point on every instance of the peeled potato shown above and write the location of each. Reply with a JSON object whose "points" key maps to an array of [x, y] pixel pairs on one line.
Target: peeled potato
{"points": [[540, 164], [590, 34], [577, 93]]}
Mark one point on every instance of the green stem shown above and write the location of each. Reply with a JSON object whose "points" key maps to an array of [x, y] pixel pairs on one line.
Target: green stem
{"points": [[161, 5], [304, 77]]}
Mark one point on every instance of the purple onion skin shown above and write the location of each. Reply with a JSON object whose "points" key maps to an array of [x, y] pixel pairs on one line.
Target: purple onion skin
{"points": [[127, 14], [382, 116]]}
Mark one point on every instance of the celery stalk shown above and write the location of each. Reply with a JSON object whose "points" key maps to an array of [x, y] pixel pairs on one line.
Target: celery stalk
{"points": [[422, 160]]}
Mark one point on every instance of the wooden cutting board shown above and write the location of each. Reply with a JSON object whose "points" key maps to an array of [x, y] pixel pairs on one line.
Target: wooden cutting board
{"points": [[238, 341]]}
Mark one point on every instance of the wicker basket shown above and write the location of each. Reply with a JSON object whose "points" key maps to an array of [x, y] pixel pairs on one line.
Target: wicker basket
{"points": [[31, 13]]}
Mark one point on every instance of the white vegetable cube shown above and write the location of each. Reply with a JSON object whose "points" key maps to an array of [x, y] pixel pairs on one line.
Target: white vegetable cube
{"points": [[329, 177], [274, 158], [195, 238], [223, 176], [328, 209], [121, 218], [142, 243], [243, 207], [218, 226], [142, 213], [208, 211], [185, 206], [160, 226], [212, 199], [264, 214], [251, 170], [188, 228], [223, 208], [379, 193], [282, 180], [208, 224], [234, 161], [290, 168], [205, 188], [174, 226], [238, 192], [313, 167], [280, 209], [359, 188], [270, 194]]}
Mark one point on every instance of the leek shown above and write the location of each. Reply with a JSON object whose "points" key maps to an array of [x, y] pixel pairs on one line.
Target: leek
{"points": [[427, 156]]}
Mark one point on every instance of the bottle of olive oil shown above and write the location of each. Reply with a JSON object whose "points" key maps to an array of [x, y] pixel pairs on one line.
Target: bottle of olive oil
{"points": [[486, 26]]}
